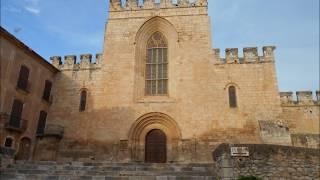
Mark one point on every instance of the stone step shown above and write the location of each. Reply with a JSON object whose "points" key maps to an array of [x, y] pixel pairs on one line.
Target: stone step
{"points": [[5, 176], [104, 173], [119, 171], [75, 163], [112, 168]]}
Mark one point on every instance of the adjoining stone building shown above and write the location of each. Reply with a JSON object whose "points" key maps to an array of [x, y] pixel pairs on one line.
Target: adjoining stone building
{"points": [[160, 93], [26, 82]]}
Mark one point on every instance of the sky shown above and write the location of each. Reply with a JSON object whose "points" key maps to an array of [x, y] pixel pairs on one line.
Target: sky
{"points": [[67, 27]]}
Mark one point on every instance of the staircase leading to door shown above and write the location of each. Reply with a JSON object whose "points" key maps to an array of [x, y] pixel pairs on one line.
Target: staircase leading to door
{"points": [[106, 171]]}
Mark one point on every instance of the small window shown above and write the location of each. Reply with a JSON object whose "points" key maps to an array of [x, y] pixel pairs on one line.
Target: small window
{"points": [[83, 101], [232, 97], [42, 122], [23, 78], [16, 112], [8, 142], [47, 90]]}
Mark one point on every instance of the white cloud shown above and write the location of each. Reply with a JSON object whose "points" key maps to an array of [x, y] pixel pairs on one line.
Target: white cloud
{"points": [[32, 6], [32, 10]]}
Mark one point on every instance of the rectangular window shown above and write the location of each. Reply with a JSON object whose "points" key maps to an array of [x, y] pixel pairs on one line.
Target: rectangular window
{"points": [[42, 122], [47, 90], [232, 97], [83, 101], [16, 112], [23, 78]]}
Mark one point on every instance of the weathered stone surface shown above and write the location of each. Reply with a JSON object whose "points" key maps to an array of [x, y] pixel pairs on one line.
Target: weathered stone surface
{"points": [[268, 162]]}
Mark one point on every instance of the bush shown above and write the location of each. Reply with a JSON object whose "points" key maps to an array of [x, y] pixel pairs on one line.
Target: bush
{"points": [[248, 178]]}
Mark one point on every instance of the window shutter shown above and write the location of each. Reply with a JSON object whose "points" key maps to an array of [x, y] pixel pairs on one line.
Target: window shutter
{"points": [[47, 90], [16, 112], [42, 122], [23, 78]]}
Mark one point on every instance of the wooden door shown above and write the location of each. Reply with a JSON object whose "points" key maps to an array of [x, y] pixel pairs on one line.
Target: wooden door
{"points": [[156, 147], [24, 149]]}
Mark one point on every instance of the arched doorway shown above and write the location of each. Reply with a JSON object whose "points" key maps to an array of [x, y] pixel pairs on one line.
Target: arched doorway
{"points": [[151, 125], [156, 147], [24, 149]]}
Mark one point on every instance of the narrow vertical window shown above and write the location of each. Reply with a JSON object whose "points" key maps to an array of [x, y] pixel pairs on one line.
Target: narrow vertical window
{"points": [[83, 100], [16, 112], [232, 97], [47, 90], [23, 78], [156, 82], [42, 122]]}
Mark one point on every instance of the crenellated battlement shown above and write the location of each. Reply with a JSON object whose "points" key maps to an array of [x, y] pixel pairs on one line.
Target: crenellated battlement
{"points": [[70, 62], [250, 55], [118, 5], [303, 98]]}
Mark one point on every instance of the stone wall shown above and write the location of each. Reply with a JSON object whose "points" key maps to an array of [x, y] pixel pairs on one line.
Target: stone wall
{"points": [[267, 162], [306, 140], [301, 113], [275, 132]]}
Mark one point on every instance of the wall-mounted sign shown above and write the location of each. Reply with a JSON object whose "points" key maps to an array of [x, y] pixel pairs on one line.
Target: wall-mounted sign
{"points": [[239, 151]]}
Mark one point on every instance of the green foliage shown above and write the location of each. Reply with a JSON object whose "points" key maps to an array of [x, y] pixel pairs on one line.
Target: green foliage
{"points": [[248, 178]]}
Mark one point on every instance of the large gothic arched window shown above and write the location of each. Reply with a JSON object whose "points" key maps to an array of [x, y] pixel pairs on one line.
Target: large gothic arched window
{"points": [[156, 65]]}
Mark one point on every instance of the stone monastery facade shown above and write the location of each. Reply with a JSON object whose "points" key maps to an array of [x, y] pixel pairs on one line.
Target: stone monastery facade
{"points": [[160, 93]]}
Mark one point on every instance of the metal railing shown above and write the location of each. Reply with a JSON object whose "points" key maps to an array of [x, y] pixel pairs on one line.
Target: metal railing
{"points": [[49, 99], [12, 122], [24, 86], [51, 130]]}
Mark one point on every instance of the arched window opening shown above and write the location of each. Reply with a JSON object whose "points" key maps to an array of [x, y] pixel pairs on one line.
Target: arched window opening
{"points": [[232, 97], [16, 112], [83, 100], [23, 78], [42, 122], [8, 143], [156, 82]]}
